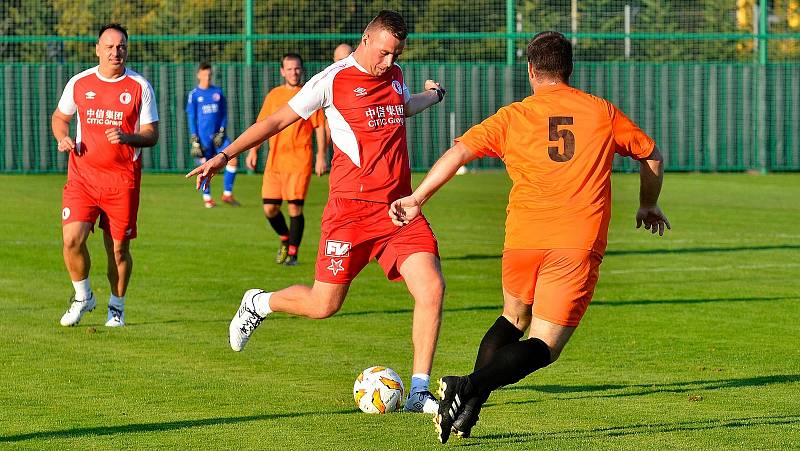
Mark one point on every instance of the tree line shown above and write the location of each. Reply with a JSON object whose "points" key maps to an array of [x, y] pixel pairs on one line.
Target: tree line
{"points": [[159, 28]]}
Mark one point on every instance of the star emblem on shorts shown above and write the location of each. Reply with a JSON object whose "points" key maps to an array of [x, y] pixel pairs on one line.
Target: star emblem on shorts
{"points": [[336, 266]]}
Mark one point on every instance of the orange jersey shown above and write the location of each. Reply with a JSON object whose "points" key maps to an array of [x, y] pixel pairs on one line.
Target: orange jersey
{"points": [[290, 150], [558, 146]]}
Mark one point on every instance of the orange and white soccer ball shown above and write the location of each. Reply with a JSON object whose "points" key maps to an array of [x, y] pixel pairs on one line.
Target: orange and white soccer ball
{"points": [[378, 389]]}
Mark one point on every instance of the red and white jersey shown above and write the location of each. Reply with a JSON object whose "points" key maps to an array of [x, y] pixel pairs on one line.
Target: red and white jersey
{"points": [[102, 103], [367, 121]]}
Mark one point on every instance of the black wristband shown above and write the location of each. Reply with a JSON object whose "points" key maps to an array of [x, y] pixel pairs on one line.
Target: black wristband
{"points": [[227, 158], [439, 92]]}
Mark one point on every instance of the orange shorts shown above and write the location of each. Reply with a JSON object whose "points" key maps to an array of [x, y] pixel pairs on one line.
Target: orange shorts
{"points": [[558, 282], [285, 185], [116, 207]]}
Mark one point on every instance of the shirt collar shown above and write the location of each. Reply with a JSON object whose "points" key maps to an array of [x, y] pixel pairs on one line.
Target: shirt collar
{"points": [[546, 89]]}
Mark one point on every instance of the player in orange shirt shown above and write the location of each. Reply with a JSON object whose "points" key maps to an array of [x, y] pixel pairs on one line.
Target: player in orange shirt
{"points": [[557, 145], [288, 169]]}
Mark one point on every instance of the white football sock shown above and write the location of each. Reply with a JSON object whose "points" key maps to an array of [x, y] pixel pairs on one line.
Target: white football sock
{"points": [[261, 303], [83, 289], [419, 382], [117, 302], [206, 196], [230, 169]]}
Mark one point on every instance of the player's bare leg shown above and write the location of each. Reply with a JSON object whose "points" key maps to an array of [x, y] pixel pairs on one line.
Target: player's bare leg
{"points": [[76, 254], [78, 263], [554, 335], [120, 267], [423, 275], [120, 264], [319, 301]]}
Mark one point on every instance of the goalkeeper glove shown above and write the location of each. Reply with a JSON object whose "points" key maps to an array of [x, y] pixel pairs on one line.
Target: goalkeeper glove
{"points": [[218, 138], [196, 149]]}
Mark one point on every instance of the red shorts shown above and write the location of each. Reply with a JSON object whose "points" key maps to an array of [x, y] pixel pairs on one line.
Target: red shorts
{"points": [[356, 231], [116, 207], [558, 282]]}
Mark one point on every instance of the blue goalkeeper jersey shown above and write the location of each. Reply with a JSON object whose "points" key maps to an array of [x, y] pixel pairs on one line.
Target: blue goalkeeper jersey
{"points": [[207, 112]]}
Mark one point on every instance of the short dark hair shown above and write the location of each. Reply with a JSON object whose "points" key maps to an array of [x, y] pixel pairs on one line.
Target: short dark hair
{"points": [[550, 53], [390, 21], [113, 26], [292, 56], [203, 66]]}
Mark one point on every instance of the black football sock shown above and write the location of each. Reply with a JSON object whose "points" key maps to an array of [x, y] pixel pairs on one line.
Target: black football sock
{"points": [[511, 364], [296, 226], [501, 334], [278, 223]]}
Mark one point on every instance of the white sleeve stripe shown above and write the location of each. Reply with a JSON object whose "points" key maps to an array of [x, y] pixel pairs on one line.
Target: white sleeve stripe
{"points": [[67, 103], [149, 111]]}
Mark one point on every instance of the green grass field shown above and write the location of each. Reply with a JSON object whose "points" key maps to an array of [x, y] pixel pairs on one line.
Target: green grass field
{"points": [[691, 341]]}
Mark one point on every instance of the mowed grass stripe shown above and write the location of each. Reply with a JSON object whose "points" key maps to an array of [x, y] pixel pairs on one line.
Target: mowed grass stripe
{"points": [[691, 341]]}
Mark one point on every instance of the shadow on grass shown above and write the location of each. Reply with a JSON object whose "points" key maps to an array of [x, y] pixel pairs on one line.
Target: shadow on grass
{"points": [[684, 250], [157, 427], [701, 250], [633, 429], [648, 389], [603, 303], [498, 308], [597, 303]]}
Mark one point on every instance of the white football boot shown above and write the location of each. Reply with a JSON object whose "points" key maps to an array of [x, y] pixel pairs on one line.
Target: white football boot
{"points": [[245, 321], [77, 309], [115, 318], [422, 401]]}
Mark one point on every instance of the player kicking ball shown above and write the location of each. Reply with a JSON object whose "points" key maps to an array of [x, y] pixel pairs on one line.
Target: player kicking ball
{"points": [[557, 145], [366, 102]]}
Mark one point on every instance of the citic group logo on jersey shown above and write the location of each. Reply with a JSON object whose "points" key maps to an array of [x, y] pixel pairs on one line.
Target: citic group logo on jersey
{"points": [[385, 115], [103, 117]]}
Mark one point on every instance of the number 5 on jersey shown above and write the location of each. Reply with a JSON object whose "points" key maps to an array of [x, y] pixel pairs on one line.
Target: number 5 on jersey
{"points": [[565, 134]]}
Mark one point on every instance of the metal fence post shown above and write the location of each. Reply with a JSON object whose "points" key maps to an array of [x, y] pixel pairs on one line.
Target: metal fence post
{"points": [[510, 29], [248, 29]]}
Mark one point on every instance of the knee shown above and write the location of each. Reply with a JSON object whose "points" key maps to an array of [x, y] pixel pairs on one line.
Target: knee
{"points": [[271, 210], [295, 210], [72, 243], [433, 295], [324, 310], [120, 255]]}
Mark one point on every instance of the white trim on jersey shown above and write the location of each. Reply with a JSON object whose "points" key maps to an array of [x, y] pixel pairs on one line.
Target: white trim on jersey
{"points": [[149, 112], [67, 103], [318, 93]]}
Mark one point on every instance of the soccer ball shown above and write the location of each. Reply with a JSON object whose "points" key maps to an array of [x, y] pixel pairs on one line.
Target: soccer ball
{"points": [[378, 389]]}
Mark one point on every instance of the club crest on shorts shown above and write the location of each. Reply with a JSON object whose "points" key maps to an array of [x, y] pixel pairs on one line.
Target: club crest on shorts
{"points": [[335, 248], [65, 213], [336, 266]]}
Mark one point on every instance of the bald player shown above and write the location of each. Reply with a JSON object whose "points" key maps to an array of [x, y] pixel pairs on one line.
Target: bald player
{"points": [[341, 52]]}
